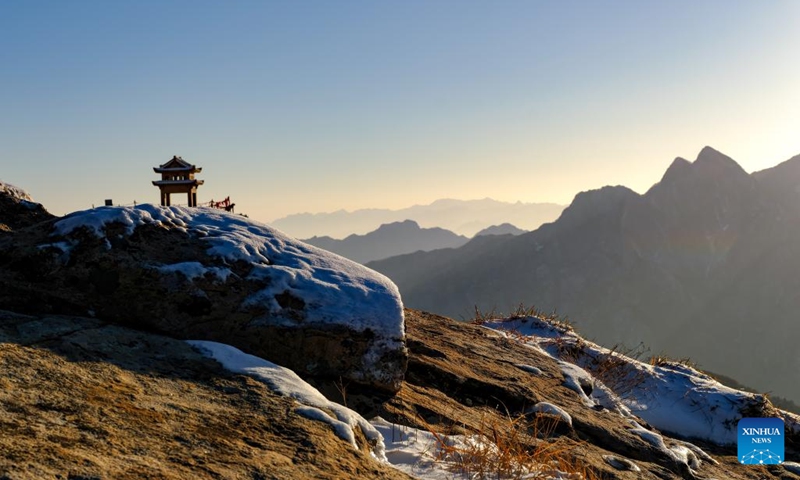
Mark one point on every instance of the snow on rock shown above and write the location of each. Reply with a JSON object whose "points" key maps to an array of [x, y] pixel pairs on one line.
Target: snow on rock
{"points": [[311, 310], [551, 409], [792, 467], [339, 290], [529, 368], [621, 463], [15, 192], [194, 270], [673, 398], [312, 404]]}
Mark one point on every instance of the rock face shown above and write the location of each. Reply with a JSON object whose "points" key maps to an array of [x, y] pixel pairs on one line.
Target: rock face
{"points": [[205, 274]]}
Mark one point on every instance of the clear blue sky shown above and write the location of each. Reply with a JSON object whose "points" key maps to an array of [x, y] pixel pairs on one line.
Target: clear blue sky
{"points": [[316, 106]]}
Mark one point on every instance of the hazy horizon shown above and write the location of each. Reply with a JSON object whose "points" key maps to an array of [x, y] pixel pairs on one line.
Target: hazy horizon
{"points": [[320, 107]]}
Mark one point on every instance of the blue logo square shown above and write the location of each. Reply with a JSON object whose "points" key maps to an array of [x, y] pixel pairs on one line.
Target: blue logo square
{"points": [[760, 441]]}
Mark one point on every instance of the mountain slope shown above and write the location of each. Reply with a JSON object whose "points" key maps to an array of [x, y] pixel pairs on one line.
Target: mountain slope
{"points": [[464, 217], [389, 240], [702, 265]]}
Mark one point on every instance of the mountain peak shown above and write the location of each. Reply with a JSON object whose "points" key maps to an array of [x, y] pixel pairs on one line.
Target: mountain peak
{"points": [[710, 166], [708, 157]]}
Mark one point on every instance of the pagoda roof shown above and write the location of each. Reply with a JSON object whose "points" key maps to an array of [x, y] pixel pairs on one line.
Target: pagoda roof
{"points": [[178, 182], [177, 164]]}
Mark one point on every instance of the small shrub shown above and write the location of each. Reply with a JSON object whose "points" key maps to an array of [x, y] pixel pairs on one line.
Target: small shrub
{"points": [[513, 447]]}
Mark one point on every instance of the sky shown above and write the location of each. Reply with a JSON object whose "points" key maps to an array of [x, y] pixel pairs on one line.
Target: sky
{"points": [[317, 106]]}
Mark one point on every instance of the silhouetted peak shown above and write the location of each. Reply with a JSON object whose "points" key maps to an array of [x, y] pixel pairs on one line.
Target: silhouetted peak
{"points": [[708, 158], [709, 169]]}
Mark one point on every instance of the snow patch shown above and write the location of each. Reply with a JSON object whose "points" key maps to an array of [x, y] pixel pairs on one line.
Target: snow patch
{"points": [[551, 409], [417, 453], [192, 270], [792, 467], [621, 463], [285, 382], [529, 368]]}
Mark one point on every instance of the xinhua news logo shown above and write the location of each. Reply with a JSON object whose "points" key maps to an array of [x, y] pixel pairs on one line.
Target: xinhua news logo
{"points": [[760, 441]]}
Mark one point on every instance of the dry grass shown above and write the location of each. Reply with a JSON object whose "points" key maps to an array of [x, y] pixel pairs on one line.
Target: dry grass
{"points": [[521, 311], [510, 448], [661, 360]]}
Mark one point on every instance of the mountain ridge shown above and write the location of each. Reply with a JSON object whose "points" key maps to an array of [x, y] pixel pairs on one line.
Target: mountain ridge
{"points": [[683, 268], [388, 240]]}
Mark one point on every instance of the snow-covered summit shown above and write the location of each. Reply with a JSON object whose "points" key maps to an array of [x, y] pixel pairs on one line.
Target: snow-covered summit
{"points": [[207, 274], [335, 289], [13, 191]]}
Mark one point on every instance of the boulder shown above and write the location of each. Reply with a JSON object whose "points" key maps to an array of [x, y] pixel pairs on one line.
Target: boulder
{"points": [[198, 273]]}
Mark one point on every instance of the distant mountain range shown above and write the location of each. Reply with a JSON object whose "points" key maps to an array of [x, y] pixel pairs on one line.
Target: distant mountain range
{"points": [[706, 264], [464, 217], [389, 240]]}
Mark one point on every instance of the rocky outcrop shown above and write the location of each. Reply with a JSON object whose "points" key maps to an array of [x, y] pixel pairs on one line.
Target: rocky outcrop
{"points": [[466, 378], [84, 399], [205, 274], [18, 210]]}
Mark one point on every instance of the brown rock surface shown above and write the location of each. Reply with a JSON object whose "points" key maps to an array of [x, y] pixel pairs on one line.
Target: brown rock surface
{"points": [[83, 399]]}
